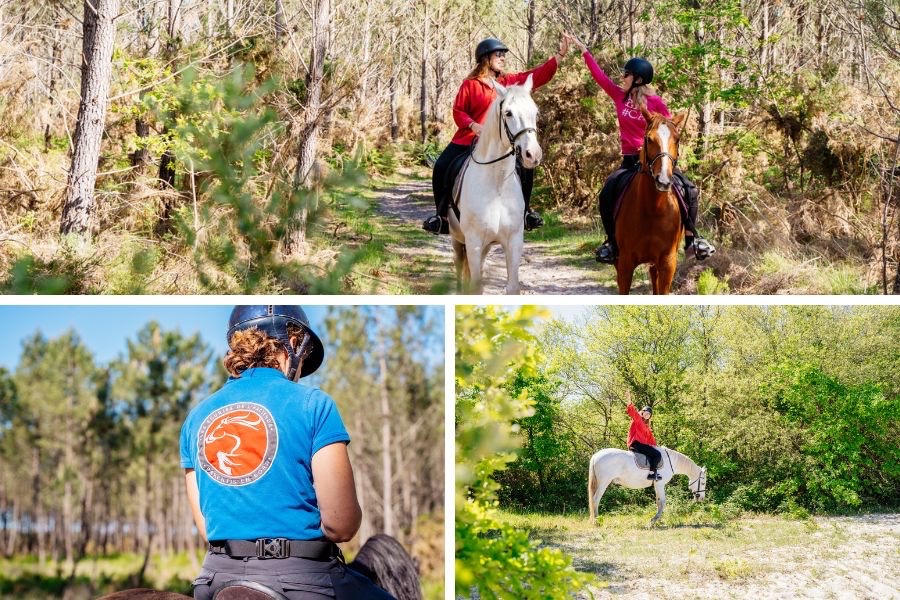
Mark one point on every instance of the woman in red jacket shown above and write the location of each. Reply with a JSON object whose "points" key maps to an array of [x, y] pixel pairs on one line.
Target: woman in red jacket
{"points": [[640, 437], [470, 110]]}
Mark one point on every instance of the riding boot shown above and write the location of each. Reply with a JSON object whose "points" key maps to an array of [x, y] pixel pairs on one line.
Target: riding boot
{"points": [[433, 224], [608, 252], [533, 220], [654, 476]]}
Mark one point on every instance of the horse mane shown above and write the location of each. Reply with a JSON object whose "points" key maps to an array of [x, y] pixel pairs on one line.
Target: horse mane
{"points": [[681, 457], [385, 561]]}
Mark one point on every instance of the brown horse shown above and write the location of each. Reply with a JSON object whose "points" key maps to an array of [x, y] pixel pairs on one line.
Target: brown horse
{"points": [[648, 225]]}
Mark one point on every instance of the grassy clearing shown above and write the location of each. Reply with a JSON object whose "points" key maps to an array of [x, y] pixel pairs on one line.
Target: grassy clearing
{"points": [[24, 578], [703, 541]]}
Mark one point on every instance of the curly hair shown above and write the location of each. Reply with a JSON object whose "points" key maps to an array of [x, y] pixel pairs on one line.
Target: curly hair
{"points": [[251, 348]]}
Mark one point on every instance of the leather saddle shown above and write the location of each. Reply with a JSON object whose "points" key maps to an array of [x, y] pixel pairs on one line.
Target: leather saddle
{"points": [[455, 173], [247, 590], [641, 461]]}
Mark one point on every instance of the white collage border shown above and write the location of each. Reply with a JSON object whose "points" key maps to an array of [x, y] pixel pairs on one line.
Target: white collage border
{"points": [[450, 302]]}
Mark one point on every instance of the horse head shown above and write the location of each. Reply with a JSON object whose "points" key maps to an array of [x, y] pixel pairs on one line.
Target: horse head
{"points": [[698, 487], [659, 154], [518, 115]]}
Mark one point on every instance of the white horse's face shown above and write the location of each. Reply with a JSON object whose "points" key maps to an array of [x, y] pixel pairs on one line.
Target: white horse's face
{"points": [[520, 114], [519, 118], [702, 487]]}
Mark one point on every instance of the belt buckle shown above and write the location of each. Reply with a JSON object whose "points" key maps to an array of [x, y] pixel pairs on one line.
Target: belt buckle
{"points": [[272, 548]]}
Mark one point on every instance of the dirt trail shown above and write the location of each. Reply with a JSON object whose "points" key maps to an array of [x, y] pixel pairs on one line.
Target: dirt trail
{"points": [[763, 558], [411, 202]]}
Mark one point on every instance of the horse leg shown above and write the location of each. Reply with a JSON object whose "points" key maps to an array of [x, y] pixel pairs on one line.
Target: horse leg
{"points": [[624, 275], [459, 260], [665, 274], [660, 501], [513, 252], [598, 495], [654, 283], [475, 254]]}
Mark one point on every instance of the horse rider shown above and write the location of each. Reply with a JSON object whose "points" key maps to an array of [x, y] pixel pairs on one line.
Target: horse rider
{"points": [[640, 437], [470, 110], [636, 75], [268, 476]]}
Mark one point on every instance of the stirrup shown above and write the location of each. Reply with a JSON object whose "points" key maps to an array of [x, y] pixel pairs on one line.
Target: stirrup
{"points": [[433, 224], [700, 249], [533, 220], [605, 254], [654, 476]]}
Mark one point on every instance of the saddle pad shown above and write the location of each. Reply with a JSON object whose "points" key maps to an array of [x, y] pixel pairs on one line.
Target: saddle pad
{"points": [[641, 461], [624, 177], [456, 172]]}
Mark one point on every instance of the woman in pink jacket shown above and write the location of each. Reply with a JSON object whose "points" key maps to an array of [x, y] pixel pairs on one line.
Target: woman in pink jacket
{"points": [[640, 437], [628, 98]]}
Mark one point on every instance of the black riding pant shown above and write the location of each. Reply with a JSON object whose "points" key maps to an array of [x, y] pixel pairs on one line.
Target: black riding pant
{"points": [[296, 578], [442, 183], [653, 455], [610, 191]]}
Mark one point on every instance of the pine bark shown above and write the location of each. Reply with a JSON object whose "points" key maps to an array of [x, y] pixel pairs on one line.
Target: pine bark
{"points": [[96, 67], [309, 134]]}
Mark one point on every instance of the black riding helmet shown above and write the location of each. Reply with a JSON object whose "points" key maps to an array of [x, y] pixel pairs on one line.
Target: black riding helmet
{"points": [[639, 67], [488, 46], [648, 409], [274, 321]]}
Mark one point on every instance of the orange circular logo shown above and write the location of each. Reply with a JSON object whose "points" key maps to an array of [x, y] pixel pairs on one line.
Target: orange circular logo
{"points": [[237, 443]]}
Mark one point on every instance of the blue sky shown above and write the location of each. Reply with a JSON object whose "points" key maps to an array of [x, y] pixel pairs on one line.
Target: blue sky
{"points": [[105, 329]]}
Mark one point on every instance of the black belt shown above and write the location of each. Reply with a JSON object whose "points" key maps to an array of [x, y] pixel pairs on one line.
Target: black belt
{"points": [[276, 548]]}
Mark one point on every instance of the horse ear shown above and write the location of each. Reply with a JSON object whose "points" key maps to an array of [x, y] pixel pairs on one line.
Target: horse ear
{"points": [[528, 84], [500, 89], [678, 121], [648, 116]]}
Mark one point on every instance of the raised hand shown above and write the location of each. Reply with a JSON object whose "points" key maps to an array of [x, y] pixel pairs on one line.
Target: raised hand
{"points": [[575, 42]]}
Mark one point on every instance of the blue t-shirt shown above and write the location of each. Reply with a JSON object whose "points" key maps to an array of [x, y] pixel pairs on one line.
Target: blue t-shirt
{"points": [[251, 445]]}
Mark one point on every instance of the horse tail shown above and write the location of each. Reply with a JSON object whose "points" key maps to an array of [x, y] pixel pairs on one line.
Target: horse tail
{"points": [[591, 488], [386, 562]]}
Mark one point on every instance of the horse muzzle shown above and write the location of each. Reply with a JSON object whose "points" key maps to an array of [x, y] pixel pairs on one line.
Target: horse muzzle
{"points": [[530, 155]]}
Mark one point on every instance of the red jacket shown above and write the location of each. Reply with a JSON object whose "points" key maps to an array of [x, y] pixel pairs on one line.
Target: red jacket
{"points": [[639, 431], [475, 96]]}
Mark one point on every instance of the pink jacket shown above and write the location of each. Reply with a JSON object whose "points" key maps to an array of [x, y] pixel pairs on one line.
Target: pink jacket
{"points": [[631, 122]]}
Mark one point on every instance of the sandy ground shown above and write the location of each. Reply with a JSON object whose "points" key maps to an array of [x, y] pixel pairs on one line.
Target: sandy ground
{"points": [[540, 273], [840, 558]]}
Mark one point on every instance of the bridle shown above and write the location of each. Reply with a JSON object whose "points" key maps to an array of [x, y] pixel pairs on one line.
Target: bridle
{"points": [[501, 126], [658, 156], [698, 491]]}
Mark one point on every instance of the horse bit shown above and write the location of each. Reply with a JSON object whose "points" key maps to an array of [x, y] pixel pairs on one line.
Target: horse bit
{"points": [[509, 135], [699, 491]]}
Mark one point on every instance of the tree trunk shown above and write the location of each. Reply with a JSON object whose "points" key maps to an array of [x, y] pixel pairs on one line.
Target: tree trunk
{"points": [[309, 134], [96, 66], [55, 56], [423, 88], [530, 31], [281, 29], [387, 500]]}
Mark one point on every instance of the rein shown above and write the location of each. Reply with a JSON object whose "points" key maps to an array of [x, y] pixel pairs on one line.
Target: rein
{"points": [[501, 125]]}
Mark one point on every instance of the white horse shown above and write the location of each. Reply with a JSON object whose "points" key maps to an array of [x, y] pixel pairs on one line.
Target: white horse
{"points": [[491, 205], [612, 465]]}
